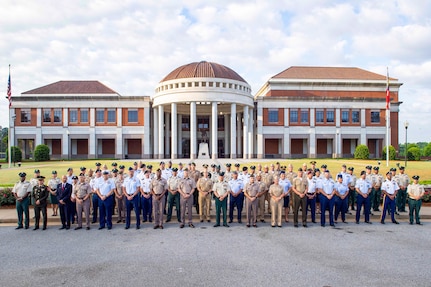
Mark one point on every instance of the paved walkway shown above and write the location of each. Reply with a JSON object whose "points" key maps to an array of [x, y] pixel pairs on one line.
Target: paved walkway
{"points": [[8, 216]]}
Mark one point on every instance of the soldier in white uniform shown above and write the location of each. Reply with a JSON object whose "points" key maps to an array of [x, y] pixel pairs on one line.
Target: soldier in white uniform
{"points": [[389, 189], [415, 192]]}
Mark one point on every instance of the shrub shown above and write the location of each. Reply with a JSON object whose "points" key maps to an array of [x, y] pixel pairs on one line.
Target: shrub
{"points": [[41, 153], [427, 150], [362, 152], [16, 154], [414, 153], [392, 153], [6, 196]]}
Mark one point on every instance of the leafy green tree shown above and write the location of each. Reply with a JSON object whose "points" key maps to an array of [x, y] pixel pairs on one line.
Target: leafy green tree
{"points": [[427, 150], [16, 154], [362, 152], [41, 153], [392, 153], [414, 153]]}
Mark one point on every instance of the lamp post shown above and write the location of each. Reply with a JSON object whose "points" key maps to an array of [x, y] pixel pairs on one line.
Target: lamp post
{"points": [[406, 125]]}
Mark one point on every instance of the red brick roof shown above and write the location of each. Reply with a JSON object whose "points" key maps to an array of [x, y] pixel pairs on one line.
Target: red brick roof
{"points": [[328, 73], [73, 87], [203, 69]]}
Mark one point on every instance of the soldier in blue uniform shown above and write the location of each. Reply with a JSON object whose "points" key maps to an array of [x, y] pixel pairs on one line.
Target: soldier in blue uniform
{"points": [[363, 190], [327, 193], [341, 198], [105, 190], [131, 191], [236, 196]]}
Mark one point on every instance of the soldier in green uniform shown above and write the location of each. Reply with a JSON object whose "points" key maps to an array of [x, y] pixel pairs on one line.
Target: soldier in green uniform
{"points": [[22, 193], [403, 181], [415, 192], [221, 191], [352, 190], [174, 195], [40, 194]]}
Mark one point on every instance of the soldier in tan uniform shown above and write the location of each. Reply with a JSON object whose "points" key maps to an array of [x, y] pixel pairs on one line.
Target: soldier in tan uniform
{"points": [[263, 191], [376, 191], [120, 198], [158, 188], [268, 179], [228, 173], [251, 192], [221, 191], [415, 192], [186, 189], [403, 181], [82, 195], [290, 175], [173, 195], [277, 193], [204, 186], [300, 189]]}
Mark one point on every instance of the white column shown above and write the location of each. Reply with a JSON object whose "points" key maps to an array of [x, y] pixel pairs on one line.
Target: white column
{"points": [[193, 151], [214, 130], [65, 149], [166, 134], [174, 135], [238, 132], [147, 133], [156, 133], [226, 134], [260, 143], [65, 117], [180, 135], [250, 133], [92, 142], [119, 152], [245, 132], [161, 153], [233, 139]]}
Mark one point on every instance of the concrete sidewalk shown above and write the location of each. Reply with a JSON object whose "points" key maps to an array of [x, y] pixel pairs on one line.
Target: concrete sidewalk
{"points": [[8, 215]]}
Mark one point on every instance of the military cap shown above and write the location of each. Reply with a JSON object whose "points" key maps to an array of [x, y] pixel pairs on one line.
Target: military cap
{"points": [[180, 164], [327, 171], [54, 172], [218, 167], [324, 166], [131, 168], [69, 169], [40, 177], [244, 168], [98, 170], [363, 172], [388, 173], [300, 169], [114, 170], [316, 170], [392, 169], [309, 171], [174, 169], [162, 162], [368, 167], [158, 170], [186, 169], [228, 165], [82, 174], [36, 171], [193, 163], [98, 164], [147, 171], [142, 165], [252, 167], [339, 176], [402, 168], [282, 172], [205, 165], [114, 164], [415, 177], [22, 174], [277, 162], [105, 172], [251, 175], [82, 168], [149, 166], [121, 166], [313, 162], [234, 172], [350, 168], [221, 173], [237, 165], [376, 168], [135, 163], [74, 177], [213, 165]]}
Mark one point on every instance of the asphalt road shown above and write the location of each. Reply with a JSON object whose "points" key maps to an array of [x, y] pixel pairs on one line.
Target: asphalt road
{"points": [[348, 255]]}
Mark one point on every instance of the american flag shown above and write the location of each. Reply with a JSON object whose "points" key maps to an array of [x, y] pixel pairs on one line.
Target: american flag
{"points": [[9, 90], [388, 95]]}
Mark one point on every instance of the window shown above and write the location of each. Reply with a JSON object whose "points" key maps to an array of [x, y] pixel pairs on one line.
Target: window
{"points": [[220, 123], [319, 116], [304, 116], [84, 116], [132, 116], [293, 116], [46, 115], [329, 116], [58, 115], [25, 115], [100, 115], [203, 123], [273, 115], [73, 116], [375, 117], [185, 123], [355, 117], [112, 116], [345, 116]]}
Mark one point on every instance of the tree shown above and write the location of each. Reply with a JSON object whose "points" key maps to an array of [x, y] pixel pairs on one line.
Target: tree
{"points": [[414, 153], [362, 152], [41, 153], [16, 154], [392, 153], [427, 150]]}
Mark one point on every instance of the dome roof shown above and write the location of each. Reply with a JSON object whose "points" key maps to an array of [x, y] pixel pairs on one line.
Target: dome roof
{"points": [[203, 69]]}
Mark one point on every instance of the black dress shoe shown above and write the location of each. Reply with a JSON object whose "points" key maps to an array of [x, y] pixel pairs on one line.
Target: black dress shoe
{"points": [[168, 220], [101, 227], [314, 221], [239, 221], [333, 225], [63, 227], [26, 227], [127, 227], [369, 222], [182, 226], [254, 225], [230, 221], [225, 225], [411, 223], [44, 228], [67, 227], [208, 220], [19, 227], [109, 228], [118, 221], [78, 228], [419, 223], [216, 225], [88, 228], [396, 222], [357, 222], [36, 228], [296, 225], [248, 225], [161, 226], [272, 225], [155, 227], [305, 225], [191, 225], [279, 226], [138, 227], [382, 222], [262, 220], [202, 220], [94, 221]]}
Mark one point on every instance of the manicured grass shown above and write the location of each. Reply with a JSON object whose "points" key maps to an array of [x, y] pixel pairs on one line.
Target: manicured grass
{"points": [[9, 176]]}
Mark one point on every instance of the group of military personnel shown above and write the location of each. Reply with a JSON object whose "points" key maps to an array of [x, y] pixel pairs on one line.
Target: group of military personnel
{"points": [[152, 194]]}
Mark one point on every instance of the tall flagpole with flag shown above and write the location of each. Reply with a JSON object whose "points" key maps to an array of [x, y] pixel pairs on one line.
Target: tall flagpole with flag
{"points": [[9, 97], [388, 115]]}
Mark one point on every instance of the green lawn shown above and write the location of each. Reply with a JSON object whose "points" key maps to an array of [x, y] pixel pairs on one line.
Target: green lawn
{"points": [[9, 176]]}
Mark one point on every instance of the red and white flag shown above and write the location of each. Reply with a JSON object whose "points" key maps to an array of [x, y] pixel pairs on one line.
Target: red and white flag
{"points": [[388, 94], [9, 90]]}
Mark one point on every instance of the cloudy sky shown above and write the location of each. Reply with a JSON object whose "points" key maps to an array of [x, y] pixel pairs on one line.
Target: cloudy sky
{"points": [[130, 47]]}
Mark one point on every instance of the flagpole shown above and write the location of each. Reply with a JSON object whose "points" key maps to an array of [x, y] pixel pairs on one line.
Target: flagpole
{"points": [[8, 132], [387, 117]]}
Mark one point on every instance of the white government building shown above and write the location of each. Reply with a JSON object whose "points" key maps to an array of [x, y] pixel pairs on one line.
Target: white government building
{"points": [[205, 109]]}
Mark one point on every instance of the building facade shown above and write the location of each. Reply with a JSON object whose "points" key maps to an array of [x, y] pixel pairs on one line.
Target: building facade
{"points": [[300, 112]]}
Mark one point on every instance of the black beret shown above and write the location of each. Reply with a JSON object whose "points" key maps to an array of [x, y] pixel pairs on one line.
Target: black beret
{"points": [[402, 168], [388, 173], [82, 174], [282, 172], [22, 174], [98, 170], [162, 162], [237, 165], [205, 165], [252, 167], [339, 176], [363, 172], [69, 169], [105, 172], [313, 162], [98, 164], [149, 166], [324, 166], [393, 169], [316, 170], [300, 169]]}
